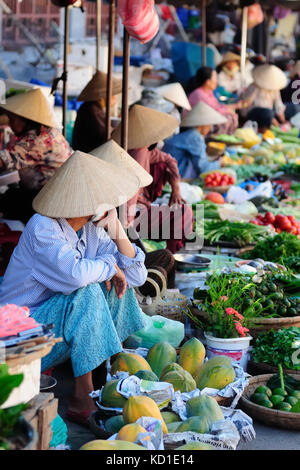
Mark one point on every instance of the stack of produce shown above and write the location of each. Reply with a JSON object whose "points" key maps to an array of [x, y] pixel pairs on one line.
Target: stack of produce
{"points": [[280, 222]]}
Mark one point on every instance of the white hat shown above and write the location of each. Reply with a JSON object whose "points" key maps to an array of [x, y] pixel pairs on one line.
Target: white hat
{"points": [[269, 77], [146, 126], [175, 93], [85, 185], [112, 153], [202, 115], [32, 105]]}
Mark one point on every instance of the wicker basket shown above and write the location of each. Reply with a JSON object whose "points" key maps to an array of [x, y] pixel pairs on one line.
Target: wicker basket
{"points": [[261, 325], [258, 368], [167, 304], [268, 416]]}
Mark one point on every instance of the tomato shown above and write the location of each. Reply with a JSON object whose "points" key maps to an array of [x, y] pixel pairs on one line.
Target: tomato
{"points": [[269, 217], [279, 218], [292, 219], [285, 224], [278, 230]]}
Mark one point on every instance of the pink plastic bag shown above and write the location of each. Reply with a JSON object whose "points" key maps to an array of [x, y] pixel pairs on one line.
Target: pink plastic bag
{"points": [[140, 19], [14, 319]]}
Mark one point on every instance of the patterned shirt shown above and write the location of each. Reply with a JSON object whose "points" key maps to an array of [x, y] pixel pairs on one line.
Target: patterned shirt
{"points": [[50, 258], [36, 156]]}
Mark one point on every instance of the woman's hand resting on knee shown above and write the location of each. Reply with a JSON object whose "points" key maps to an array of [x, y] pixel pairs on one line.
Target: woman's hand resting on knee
{"points": [[119, 282]]}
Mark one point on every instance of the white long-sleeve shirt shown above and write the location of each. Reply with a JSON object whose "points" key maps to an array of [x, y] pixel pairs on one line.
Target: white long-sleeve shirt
{"points": [[50, 258]]}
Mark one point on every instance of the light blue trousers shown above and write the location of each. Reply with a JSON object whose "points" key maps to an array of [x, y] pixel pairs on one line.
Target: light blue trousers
{"points": [[92, 322]]}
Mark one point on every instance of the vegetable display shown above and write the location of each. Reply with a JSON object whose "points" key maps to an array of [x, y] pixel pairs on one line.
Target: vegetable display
{"points": [[238, 232], [280, 222], [218, 179], [277, 347]]}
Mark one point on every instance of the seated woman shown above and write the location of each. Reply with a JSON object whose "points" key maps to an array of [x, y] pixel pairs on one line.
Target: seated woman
{"points": [[36, 149], [229, 74], [156, 222], [78, 274], [264, 103], [203, 86], [90, 125], [189, 147]]}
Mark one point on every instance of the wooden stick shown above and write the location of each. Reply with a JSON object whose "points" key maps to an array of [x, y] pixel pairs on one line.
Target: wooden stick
{"points": [[126, 63], [204, 30], [98, 34], [111, 33]]}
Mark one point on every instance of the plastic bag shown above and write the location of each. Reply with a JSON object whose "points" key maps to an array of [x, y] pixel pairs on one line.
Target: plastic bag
{"points": [[140, 19], [157, 329], [191, 193]]}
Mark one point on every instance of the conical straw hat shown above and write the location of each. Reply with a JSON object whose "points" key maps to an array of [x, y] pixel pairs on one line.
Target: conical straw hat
{"points": [[112, 153], [175, 93], [228, 57], [32, 105], [146, 126], [202, 115], [85, 185], [269, 77], [96, 87]]}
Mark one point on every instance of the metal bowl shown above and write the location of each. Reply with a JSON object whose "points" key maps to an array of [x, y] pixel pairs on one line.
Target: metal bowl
{"points": [[47, 382], [190, 261]]}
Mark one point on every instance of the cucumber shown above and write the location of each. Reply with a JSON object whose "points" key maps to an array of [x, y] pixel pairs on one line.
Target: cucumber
{"points": [[276, 399], [264, 389]]}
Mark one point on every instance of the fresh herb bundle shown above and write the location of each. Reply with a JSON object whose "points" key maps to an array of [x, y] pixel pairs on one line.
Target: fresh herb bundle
{"points": [[277, 347], [239, 232]]}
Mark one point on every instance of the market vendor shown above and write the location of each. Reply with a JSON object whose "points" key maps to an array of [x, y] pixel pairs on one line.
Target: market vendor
{"points": [[264, 103], [189, 146], [202, 87], [147, 127], [90, 125], [77, 270], [229, 73], [174, 92], [36, 149]]}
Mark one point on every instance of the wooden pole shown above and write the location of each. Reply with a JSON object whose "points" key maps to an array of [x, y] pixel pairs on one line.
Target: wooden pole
{"points": [[126, 63], [65, 72], [244, 44], [204, 32], [111, 33], [98, 34]]}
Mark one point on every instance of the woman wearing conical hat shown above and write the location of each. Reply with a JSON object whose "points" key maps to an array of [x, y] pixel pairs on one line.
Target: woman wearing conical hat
{"points": [[147, 127], [229, 73], [264, 103], [189, 147], [36, 149], [90, 126], [76, 269]]}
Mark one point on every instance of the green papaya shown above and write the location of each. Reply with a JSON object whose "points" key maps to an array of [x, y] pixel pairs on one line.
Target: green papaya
{"points": [[160, 355], [170, 417], [147, 375], [170, 368], [199, 424], [217, 372], [181, 380], [204, 406], [110, 397], [172, 427], [114, 424]]}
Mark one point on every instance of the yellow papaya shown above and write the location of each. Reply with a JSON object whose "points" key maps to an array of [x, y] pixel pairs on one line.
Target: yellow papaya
{"points": [[170, 368], [160, 355], [130, 432], [100, 444], [170, 417], [138, 406], [129, 362], [191, 355], [217, 372]]}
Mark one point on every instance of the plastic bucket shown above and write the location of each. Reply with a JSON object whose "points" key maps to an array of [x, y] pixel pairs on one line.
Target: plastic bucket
{"points": [[235, 348]]}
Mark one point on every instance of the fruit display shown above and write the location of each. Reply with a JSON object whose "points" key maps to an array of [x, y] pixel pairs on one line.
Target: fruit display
{"points": [[280, 223], [205, 407], [217, 372], [129, 362], [191, 355]]}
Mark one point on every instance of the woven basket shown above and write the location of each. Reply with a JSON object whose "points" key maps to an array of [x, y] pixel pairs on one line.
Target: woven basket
{"points": [[257, 368], [167, 304], [268, 416], [266, 324]]}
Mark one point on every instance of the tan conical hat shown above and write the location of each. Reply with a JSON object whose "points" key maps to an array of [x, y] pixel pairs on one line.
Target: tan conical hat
{"points": [[228, 57], [175, 93], [33, 105], [146, 126], [202, 115], [269, 77], [85, 185], [112, 153], [96, 87]]}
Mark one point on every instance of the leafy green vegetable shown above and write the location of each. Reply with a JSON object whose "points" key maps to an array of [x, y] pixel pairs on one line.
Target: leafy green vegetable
{"points": [[276, 248], [239, 232], [277, 347]]}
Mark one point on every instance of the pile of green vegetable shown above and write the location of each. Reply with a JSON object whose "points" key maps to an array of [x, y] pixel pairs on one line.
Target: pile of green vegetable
{"points": [[277, 347], [282, 392], [291, 169], [240, 233], [281, 248], [290, 137]]}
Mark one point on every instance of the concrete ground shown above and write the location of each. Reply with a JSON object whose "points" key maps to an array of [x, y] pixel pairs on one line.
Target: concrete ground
{"points": [[267, 438]]}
